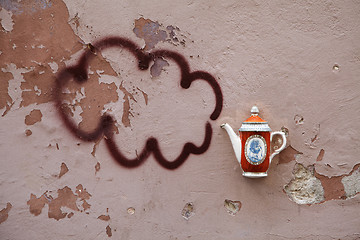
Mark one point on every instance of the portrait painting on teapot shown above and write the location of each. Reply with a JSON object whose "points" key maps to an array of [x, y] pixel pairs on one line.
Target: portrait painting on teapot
{"points": [[252, 146], [255, 149]]}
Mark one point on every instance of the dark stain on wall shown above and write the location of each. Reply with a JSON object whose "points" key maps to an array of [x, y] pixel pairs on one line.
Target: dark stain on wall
{"points": [[106, 126]]}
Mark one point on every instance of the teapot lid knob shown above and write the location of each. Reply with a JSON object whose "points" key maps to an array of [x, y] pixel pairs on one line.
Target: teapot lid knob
{"points": [[254, 110]]}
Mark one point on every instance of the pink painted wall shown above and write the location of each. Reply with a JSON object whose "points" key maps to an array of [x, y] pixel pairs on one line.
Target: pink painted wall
{"points": [[298, 62]]}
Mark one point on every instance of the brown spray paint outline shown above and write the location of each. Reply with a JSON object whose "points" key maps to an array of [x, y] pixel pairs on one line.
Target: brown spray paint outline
{"points": [[79, 73]]}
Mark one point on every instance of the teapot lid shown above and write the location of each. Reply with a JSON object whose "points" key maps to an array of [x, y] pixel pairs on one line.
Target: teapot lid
{"points": [[255, 123]]}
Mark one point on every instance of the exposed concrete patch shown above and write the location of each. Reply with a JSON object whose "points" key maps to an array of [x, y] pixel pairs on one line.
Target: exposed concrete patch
{"points": [[304, 188], [33, 117], [64, 169], [188, 211], [310, 187], [232, 207], [4, 213], [288, 154], [65, 198], [351, 182]]}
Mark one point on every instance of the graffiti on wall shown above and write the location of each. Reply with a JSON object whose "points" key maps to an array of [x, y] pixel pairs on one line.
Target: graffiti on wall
{"points": [[105, 127]]}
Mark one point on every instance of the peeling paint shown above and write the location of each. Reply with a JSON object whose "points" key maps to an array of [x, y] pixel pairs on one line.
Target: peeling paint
{"points": [[37, 204], [104, 217], [310, 187], [95, 147], [34, 116], [333, 188], [65, 198], [4, 213], [64, 169], [126, 106], [5, 99], [153, 32], [36, 42], [28, 132], [150, 32], [50, 42], [146, 97], [83, 195], [108, 231], [158, 66]]}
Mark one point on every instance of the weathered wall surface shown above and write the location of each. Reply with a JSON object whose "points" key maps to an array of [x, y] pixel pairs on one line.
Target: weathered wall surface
{"points": [[298, 62]]}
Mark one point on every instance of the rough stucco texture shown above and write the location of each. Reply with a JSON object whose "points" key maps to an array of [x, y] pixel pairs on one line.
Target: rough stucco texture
{"points": [[298, 61]]}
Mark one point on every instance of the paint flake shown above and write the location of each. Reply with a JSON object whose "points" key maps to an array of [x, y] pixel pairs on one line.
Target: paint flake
{"points": [[150, 32], [33, 117], [4, 213], [65, 198], [104, 217], [108, 231], [64, 169], [126, 105], [158, 66]]}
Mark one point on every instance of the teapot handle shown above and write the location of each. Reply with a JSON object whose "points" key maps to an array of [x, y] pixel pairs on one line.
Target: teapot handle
{"points": [[277, 151]]}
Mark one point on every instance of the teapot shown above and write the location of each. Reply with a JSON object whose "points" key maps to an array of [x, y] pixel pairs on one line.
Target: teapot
{"points": [[252, 147]]}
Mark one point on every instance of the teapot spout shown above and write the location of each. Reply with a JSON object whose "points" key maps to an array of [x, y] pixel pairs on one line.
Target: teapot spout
{"points": [[235, 140]]}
